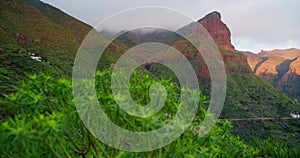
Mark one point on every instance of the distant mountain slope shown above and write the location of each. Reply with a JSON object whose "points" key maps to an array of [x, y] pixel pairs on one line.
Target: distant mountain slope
{"points": [[138, 36], [280, 67]]}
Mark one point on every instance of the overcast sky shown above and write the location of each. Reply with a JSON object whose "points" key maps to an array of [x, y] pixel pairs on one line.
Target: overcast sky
{"points": [[254, 24]]}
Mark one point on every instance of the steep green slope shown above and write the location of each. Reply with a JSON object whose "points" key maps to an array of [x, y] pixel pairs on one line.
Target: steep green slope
{"points": [[54, 39], [76, 27], [48, 32], [249, 96]]}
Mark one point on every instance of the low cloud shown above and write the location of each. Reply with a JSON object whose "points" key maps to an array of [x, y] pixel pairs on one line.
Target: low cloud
{"points": [[255, 25]]}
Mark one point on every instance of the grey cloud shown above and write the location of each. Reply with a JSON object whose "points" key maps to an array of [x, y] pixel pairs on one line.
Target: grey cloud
{"points": [[258, 23]]}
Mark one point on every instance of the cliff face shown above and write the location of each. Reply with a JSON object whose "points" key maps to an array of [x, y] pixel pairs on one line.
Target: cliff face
{"points": [[234, 62], [218, 30], [280, 67]]}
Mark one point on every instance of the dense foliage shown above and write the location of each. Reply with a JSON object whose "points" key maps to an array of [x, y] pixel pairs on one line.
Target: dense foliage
{"points": [[249, 96], [15, 63], [46, 124]]}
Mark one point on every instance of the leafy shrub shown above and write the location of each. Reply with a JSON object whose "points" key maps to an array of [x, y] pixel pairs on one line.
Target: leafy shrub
{"points": [[46, 124], [276, 149]]}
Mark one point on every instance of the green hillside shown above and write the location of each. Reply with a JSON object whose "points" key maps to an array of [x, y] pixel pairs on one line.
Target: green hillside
{"points": [[38, 28], [15, 65], [42, 30], [77, 28]]}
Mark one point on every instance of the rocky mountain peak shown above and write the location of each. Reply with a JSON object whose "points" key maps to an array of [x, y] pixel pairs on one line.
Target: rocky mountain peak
{"points": [[217, 29], [213, 15]]}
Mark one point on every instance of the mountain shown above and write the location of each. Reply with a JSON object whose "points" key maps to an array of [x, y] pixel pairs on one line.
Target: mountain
{"points": [[247, 94], [217, 29], [220, 33], [280, 67]]}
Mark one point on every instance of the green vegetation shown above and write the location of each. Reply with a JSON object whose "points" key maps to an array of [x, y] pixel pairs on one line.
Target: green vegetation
{"points": [[45, 124], [274, 148], [39, 119], [249, 96], [15, 64]]}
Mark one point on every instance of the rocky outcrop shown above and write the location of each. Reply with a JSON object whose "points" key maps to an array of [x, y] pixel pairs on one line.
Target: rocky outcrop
{"points": [[235, 62], [217, 30], [22, 39]]}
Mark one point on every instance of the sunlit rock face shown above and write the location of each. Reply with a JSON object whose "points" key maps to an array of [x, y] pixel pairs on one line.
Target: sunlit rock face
{"points": [[280, 67], [217, 29]]}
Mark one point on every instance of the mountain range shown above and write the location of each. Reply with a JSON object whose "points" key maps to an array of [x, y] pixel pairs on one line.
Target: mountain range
{"points": [[280, 67]]}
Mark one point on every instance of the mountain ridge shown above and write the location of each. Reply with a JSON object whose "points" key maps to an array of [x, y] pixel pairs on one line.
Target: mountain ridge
{"points": [[281, 67]]}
